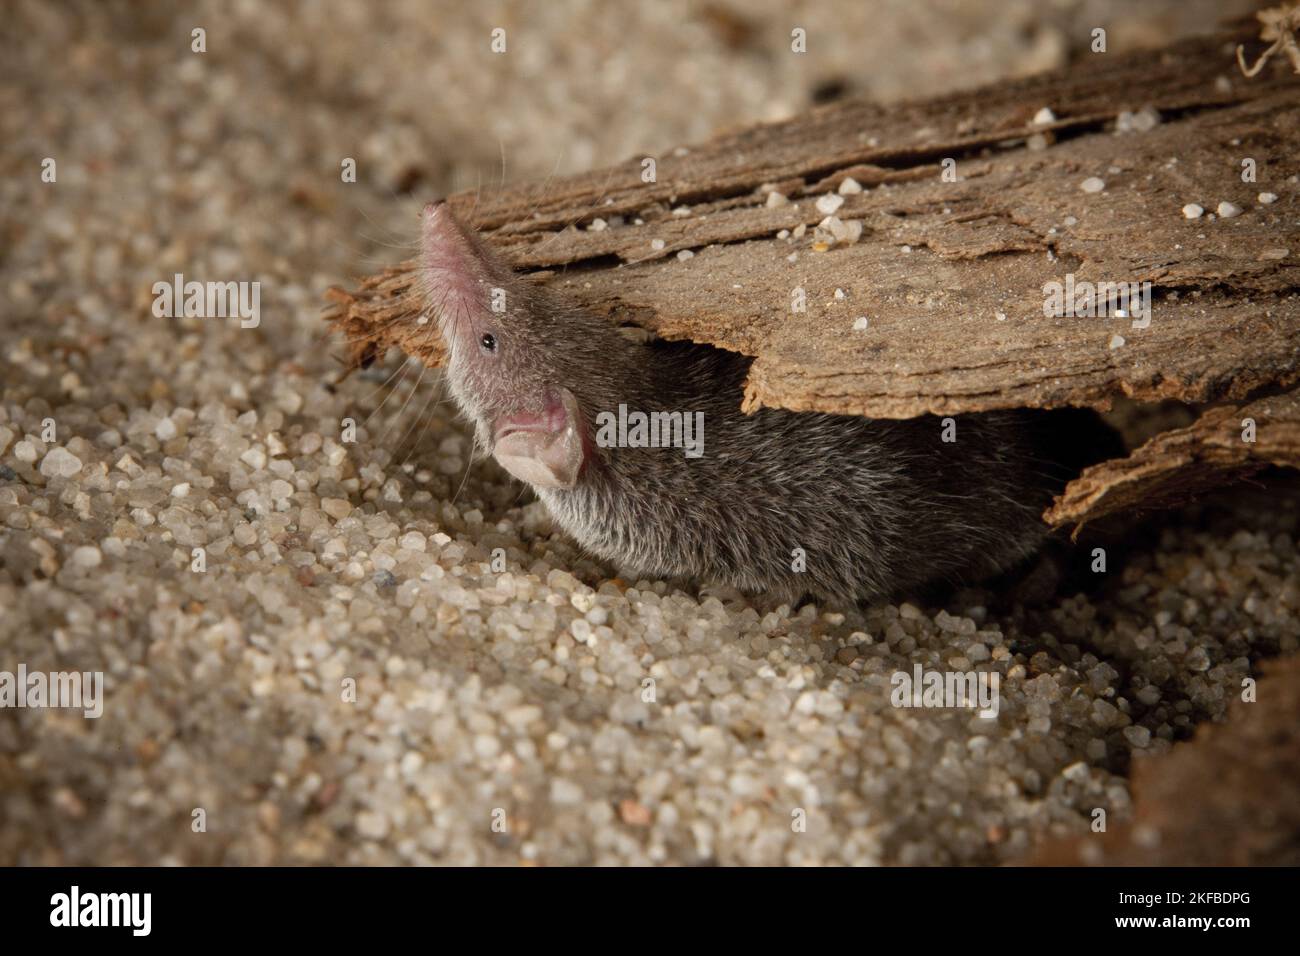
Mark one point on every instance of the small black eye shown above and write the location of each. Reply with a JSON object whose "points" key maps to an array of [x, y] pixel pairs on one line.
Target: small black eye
{"points": [[488, 341]]}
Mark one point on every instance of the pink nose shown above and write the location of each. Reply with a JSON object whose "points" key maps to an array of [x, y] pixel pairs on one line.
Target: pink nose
{"points": [[440, 223]]}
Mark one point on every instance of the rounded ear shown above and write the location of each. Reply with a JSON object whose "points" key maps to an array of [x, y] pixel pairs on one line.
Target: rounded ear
{"points": [[546, 454], [540, 460]]}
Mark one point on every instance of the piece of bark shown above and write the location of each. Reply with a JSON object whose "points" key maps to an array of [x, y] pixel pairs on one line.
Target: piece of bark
{"points": [[383, 312], [948, 275], [1228, 797], [1177, 465]]}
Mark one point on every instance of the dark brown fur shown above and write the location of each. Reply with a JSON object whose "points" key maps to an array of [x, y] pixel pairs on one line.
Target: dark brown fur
{"points": [[876, 507]]}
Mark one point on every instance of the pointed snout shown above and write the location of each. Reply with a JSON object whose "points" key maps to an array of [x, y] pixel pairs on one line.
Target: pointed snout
{"points": [[454, 269], [435, 220], [442, 234]]}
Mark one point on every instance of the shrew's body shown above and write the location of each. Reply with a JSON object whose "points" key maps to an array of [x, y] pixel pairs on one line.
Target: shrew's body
{"points": [[788, 503]]}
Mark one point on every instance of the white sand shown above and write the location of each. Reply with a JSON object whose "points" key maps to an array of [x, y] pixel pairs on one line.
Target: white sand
{"points": [[476, 692]]}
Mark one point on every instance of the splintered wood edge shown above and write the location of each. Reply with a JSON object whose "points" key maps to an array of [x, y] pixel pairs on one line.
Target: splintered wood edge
{"points": [[1226, 443], [381, 313]]}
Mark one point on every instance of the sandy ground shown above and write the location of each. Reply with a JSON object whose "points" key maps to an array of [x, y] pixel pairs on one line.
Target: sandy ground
{"points": [[350, 680]]}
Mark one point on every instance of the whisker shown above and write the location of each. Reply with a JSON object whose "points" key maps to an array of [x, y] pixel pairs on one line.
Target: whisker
{"points": [[473, 446], [401, 371], [433, 392], [478, 194], [545, 182], [402, 238], [403, 246], [402, 411]]}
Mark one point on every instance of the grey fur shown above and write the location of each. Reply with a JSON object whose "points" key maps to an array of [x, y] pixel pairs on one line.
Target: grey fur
{"points": [[878, 506]]}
